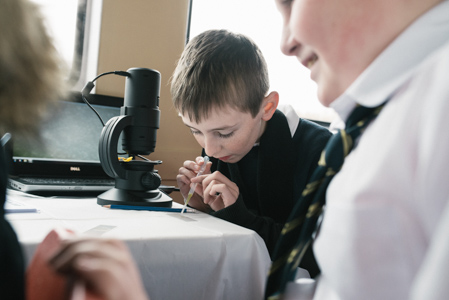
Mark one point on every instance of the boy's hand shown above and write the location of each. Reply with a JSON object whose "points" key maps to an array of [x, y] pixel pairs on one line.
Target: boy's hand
{"points": [[217, 190], [186, 173]]}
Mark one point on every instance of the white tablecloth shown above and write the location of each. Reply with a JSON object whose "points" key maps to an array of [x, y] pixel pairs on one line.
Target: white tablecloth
{"points": [[190, 256]]}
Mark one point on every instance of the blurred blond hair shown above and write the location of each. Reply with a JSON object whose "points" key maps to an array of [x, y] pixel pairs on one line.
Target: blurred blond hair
{"points": [[30, 68]]}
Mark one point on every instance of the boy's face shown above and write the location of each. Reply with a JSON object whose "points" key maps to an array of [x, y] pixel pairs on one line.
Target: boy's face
{"points": [[227, 134], [335, 39]]}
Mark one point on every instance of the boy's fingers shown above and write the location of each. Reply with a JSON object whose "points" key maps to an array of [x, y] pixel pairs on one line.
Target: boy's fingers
{"points": [[191, 165], [199, 179]]}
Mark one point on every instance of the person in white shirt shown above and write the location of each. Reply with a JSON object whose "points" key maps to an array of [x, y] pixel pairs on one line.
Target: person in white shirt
{"points": [[383, 219]]}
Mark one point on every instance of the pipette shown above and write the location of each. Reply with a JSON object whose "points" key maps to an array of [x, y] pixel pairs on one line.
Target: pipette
{"points": [[192, 190]]}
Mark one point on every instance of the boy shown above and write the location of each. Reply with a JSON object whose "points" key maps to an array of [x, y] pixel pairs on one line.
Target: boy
{"points": [[261, 157], [385, 207]]}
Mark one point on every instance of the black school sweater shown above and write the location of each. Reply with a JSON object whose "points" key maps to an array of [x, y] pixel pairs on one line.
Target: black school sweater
{"points": [[272, 176]]}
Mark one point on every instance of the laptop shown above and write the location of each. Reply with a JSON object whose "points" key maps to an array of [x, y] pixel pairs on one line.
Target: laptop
{"points": [[65, 160]]}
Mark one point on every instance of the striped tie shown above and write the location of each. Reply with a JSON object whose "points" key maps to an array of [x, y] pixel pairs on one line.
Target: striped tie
{"points": [[297, 234]]}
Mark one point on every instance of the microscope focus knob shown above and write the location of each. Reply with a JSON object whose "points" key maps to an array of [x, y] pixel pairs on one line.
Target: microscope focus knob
{"points": [[151, 180]]}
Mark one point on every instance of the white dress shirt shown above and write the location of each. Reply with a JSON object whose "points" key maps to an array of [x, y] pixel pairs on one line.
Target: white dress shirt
{"points": [[385, 206]]}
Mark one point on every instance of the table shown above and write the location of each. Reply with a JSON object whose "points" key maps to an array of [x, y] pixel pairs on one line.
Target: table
{"points": [[190, 256]]}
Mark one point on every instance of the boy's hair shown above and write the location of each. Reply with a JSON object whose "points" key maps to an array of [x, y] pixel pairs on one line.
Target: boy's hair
{"points": [[219, 68]]}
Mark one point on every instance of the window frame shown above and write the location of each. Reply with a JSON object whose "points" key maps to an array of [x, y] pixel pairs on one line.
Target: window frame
{"points": [[87, 44]]}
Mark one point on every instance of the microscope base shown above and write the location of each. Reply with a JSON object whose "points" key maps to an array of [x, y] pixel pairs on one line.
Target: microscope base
{"points": [[116, 196]]}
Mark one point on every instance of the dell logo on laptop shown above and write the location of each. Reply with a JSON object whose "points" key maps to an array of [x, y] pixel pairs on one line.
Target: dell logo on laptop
{"points": [[75, 169]]}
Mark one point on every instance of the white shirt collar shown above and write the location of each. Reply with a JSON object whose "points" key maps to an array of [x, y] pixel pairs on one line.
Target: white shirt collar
{"points": [[396, 63]]}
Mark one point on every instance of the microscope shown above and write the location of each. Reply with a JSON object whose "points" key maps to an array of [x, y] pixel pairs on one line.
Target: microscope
{"points": [[136, 180]]}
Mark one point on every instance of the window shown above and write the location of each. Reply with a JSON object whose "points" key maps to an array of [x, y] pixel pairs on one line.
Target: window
{"points": [[65, 22], [262, 22]]}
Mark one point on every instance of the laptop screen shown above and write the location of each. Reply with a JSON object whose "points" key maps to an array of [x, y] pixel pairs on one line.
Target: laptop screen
{"points": [[69, 134]]}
